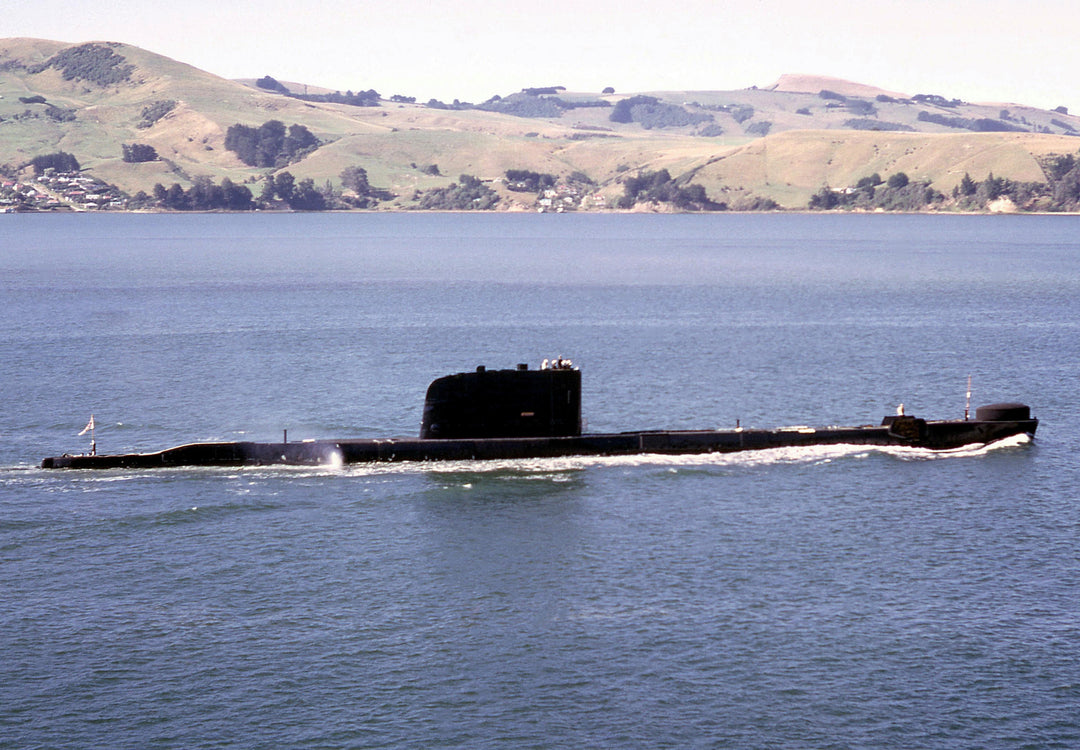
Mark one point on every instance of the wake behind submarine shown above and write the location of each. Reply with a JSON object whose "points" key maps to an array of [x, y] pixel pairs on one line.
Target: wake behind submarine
{"points": [[523, 413]]}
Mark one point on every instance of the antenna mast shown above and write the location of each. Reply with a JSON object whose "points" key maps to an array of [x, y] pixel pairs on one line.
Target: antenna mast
{"points": [[967, 403]]}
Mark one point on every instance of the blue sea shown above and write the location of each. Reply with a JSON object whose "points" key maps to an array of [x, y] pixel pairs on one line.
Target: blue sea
{"points": [[831, 597]]}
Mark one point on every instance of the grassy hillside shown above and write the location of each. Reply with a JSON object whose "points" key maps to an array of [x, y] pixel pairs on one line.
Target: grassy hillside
{"points": [[782, 142]]}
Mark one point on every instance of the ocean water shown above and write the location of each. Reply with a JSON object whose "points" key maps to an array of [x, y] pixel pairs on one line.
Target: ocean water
{"points": [[833, 597]]}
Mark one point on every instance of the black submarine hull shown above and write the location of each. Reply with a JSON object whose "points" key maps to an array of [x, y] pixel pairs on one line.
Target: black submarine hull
{"points": [[895, 431], [523, 413]]}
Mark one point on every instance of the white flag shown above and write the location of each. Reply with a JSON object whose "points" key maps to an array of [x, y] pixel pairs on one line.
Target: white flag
{"points": [[89, 426]]}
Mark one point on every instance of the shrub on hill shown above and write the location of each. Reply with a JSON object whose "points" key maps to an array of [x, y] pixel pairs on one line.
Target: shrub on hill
{"points": [[95, 63], [35, 99], [59, 114], [860, 107], [741, 112], [471, 194], [151, 113], [270, 145]]}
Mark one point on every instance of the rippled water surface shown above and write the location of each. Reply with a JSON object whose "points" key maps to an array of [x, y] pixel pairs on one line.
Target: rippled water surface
{"points": [[832, 597]]}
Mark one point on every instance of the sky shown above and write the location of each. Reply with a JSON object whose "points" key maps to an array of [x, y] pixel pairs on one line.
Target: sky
{"points": [[975, 50]]}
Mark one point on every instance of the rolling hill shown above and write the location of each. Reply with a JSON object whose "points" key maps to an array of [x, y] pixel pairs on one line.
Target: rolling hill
{"points": [[782, 142]]}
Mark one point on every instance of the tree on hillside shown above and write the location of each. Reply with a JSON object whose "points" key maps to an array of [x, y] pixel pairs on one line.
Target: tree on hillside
{"points": [[284, 184], [204, 195], [355, 179], [270, 84], [137, 153], [61, 161], [526, 181], [468, 194], [967, 185], [271, 144], [898, 180], [306, 198], [659, 187]]}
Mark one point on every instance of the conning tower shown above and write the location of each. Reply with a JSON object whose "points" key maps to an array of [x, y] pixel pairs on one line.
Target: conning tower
{"points": [[505, 403]]}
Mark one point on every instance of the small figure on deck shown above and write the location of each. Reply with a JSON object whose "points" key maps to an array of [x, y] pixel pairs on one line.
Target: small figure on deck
{"points": [[900, 410], [93, 441]]}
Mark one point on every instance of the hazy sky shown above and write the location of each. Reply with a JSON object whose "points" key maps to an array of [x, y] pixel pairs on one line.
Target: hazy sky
{"points": [[976, 50]]}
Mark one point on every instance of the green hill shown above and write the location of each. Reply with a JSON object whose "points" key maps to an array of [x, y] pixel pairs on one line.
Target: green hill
{"points": [[782, 142]]}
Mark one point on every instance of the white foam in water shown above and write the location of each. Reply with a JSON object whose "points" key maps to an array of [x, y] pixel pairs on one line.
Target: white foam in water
{"points": [[552, 468], [817, 454]]}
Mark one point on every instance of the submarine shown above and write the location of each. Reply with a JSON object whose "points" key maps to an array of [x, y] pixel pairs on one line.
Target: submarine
{"points": [[536, 413]]}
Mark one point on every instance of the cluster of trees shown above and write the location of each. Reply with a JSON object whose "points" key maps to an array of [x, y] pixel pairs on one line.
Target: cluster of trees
{"points": [[278, 191], [855, 105], [659, 187], [369, 98], [271, 84], [204, 195], [1060, 192], [61, 161], [468, 194], [978, 125], [543, 90], [525, 181], [270, 145], [864, 123], [364, 195], [59, 114], [524, 105], [739, 112], [528, 103], [138, 152], [151, 113], [299, 196], [936, 99], [88, 62], [898, 193], [650, 112]]}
